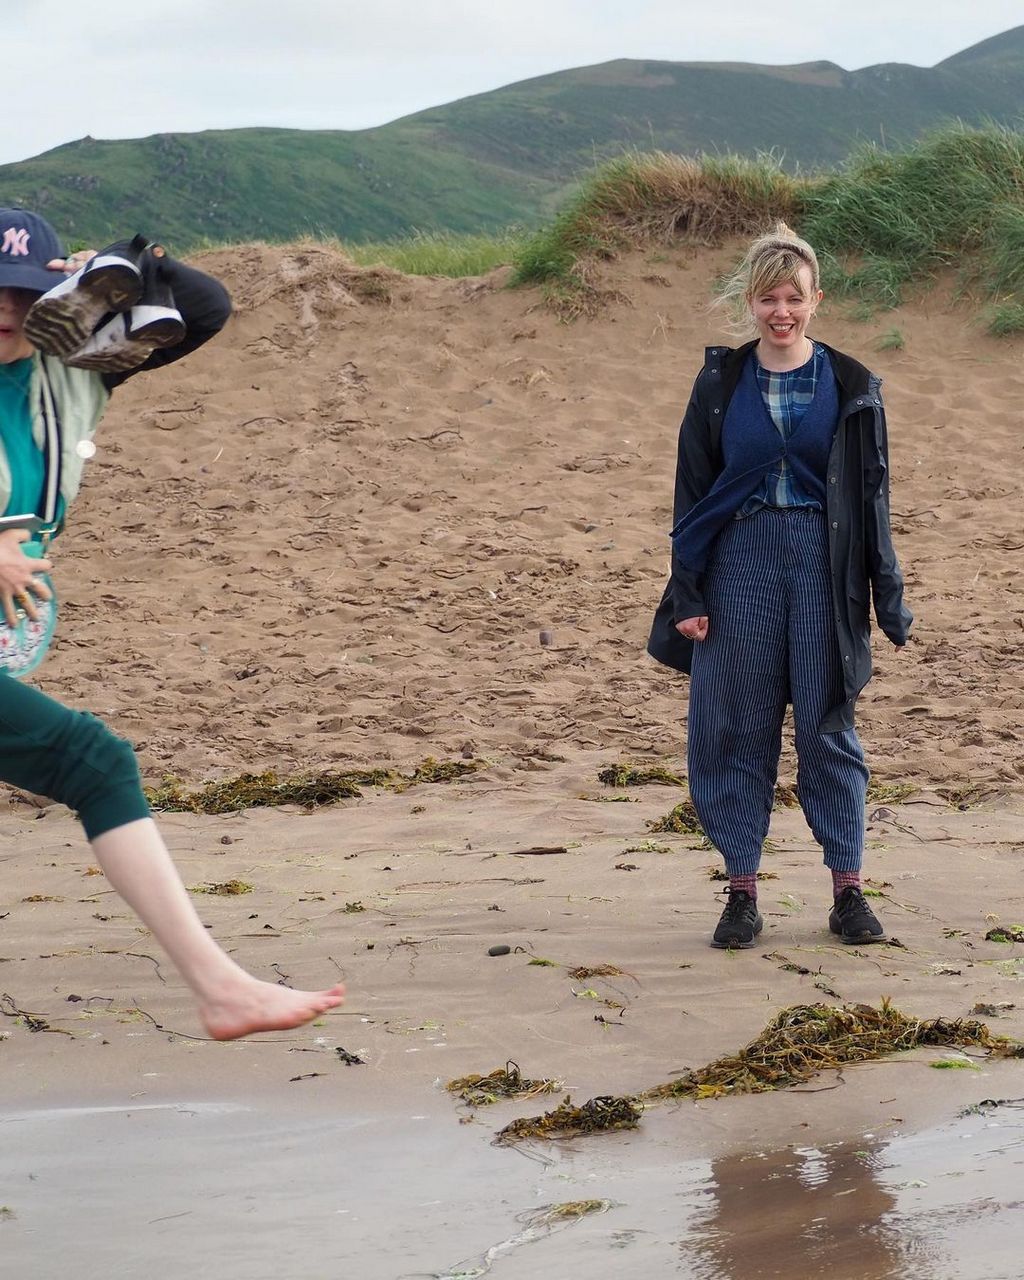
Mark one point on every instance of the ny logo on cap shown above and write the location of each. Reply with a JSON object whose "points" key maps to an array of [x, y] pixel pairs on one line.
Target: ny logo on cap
{"points": [[15, 242]]}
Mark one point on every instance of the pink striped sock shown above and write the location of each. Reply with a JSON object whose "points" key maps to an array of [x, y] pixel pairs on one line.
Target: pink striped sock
{"points": [[747, 883], [844, 880]]}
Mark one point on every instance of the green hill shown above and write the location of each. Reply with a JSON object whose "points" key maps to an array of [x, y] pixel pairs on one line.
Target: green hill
{"points": [[508, 156]]}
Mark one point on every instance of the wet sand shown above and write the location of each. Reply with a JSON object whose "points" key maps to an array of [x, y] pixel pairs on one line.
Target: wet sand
{"points": [[273, 1158], [214, 1190]]}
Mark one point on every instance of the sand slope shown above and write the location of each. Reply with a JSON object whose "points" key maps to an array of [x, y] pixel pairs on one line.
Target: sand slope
{"points": [[335, 533]]}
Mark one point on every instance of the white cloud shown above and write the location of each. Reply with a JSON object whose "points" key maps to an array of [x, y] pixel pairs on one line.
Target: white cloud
{"points": [[118, 69]]}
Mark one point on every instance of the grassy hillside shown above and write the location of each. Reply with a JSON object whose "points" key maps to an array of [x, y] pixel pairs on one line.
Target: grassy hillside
{"points": [[274, 184], [505, 157]]}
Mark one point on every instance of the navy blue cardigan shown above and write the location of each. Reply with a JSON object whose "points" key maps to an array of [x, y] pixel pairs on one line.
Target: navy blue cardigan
{"points": [[751, 448], [863, 564]]}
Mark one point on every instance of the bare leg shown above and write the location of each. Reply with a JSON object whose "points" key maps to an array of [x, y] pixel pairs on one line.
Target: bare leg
{"points": [[232, 1003]]}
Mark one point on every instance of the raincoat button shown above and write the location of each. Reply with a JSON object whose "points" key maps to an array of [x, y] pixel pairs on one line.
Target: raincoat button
{"points": [[835, 524]]}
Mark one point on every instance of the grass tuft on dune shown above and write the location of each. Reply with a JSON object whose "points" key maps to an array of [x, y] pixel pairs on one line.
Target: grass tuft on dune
{"points": [[885, 221]]}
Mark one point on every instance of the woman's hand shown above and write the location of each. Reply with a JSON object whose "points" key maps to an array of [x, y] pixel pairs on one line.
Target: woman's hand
{"points": [[74, 262], [18, 582], [694, 628]]}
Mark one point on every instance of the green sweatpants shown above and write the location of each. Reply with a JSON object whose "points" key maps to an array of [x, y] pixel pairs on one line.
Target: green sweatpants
{"points": [[68, 756]]}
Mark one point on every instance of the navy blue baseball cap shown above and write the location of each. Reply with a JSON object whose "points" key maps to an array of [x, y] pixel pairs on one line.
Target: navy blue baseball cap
{"points": [[27, 243]]}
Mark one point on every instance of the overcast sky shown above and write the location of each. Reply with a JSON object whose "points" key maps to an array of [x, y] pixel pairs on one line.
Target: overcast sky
{"points": [[114, 69]]}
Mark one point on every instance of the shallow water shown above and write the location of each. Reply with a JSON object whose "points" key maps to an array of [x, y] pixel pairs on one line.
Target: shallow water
{"points": [[159, 1192]]}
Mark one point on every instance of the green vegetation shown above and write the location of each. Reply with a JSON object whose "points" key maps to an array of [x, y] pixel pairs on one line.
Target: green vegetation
{"points": [[891, 340], [953, 202], [440, 253], [640, 198], [231, 186], [1006, 319]]}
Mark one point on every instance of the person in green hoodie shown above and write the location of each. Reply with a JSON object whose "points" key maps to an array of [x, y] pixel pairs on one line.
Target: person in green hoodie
{"points": [[46, 747]]}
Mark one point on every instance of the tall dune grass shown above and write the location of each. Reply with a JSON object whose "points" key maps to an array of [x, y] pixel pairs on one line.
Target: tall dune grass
{"points": [[885, 221], [644, 197], [440, 253]]}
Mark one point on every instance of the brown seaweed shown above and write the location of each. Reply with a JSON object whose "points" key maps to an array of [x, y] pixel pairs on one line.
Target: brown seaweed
{"points": [[682, 820], [268, 790], [798, 1044], [503, 1082], [598, 1115], [628, 775]]}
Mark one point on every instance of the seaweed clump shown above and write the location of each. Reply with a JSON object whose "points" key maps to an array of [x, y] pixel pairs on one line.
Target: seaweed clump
{"points": [[598, 1115], [223, 888], [807, 1039], [432, 770], [794, 1047], [890, 792], [628, 775], [503, 1082], [1006, 933], [268, 790], [681, 821]]}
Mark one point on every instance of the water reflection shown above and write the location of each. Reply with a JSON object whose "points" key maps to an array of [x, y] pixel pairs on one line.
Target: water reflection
{"points": [[802, 1212], [946, 1203]]}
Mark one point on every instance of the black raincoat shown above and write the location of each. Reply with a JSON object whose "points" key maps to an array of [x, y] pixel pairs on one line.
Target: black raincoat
{"points": [[863, 562]]}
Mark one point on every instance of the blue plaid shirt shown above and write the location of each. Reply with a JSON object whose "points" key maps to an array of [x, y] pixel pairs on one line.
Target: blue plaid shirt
{"points": [[786, 397]]}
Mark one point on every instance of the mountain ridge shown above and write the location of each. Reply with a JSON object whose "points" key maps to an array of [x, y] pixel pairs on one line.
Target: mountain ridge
{"points": [[507, 156]]}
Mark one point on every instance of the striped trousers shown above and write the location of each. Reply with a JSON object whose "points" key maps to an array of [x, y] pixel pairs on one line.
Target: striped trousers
{"points": [[771, 641]]}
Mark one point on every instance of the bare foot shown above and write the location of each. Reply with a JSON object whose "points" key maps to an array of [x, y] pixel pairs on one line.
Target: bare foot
{"points": [[250, 1005]]}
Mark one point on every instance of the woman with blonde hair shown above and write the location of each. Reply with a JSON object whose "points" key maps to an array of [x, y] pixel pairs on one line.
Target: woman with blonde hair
{"points": [[781, 534]]}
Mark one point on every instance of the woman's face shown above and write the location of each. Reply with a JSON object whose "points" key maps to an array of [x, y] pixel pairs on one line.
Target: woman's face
{"points": [[14, 305], [782, 313]]}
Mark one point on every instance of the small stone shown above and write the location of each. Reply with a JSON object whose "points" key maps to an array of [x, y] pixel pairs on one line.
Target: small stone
{"points": [[589, 528], [502, 949], [468, 751], [546, 638], [226, 840]]}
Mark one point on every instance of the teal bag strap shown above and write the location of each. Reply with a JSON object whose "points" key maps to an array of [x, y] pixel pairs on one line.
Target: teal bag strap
{"points": [[24, 646]]}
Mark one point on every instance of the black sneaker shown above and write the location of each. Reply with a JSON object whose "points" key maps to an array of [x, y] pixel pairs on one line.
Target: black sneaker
{"points": [[853, 919], [127, 339], [740, 923], [62, 319]]}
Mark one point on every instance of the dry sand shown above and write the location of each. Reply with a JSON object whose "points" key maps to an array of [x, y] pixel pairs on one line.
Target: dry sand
{"points": [[333, 537]]}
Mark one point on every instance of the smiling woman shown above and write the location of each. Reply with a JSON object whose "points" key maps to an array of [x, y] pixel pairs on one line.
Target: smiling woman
{"points": [[781, 532]]}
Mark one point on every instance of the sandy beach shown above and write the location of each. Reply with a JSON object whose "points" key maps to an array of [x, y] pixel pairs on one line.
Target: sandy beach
{"points": [[333, 538]]}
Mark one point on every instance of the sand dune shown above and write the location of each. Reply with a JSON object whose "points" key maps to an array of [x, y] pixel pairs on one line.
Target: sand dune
{"points": [[336, 533]]}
